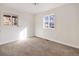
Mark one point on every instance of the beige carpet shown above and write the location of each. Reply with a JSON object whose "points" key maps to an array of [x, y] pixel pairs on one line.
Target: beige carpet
{"points": [[37, 47]]}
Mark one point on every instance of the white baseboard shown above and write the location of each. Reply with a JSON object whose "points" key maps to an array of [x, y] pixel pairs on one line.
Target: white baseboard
{"points": [[66, 44], [45, 38], [7, 42], [60, 42]]}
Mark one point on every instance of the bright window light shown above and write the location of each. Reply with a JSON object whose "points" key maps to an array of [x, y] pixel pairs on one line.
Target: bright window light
{"points": [[23, 34]]}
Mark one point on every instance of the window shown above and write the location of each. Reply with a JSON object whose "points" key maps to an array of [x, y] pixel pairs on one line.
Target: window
{"points": [[10, 20], [7, 19], [49, 21]]}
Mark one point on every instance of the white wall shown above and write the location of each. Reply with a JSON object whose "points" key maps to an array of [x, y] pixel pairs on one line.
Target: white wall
{"points": [[11, 33], [65, 27], [66, 30], [77, 24]]}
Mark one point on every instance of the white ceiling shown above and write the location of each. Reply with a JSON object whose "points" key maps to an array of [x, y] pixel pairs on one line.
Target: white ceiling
{"points": [[31, 8]]}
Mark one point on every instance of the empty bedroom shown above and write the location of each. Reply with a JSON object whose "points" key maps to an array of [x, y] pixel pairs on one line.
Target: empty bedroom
{"points": [[39, 29]]}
